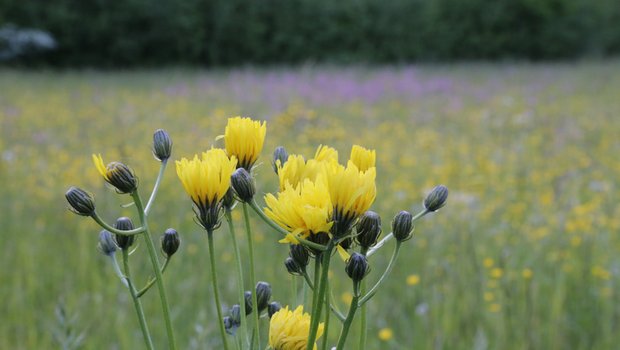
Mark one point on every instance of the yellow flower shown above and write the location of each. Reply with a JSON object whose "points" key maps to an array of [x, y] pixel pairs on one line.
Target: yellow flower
{"points": [[288, 330], [301, 210], [244, 139], [326, 154], [206, 180], [363, 158], [386, 334], [117, 174], [412, 280]]}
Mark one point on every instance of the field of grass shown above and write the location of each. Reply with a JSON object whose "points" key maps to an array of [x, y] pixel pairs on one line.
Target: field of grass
{"points": [[524, 256]]}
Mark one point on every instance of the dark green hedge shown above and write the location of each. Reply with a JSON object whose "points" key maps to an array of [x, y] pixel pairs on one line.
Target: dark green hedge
{"points": [[229, 32]]}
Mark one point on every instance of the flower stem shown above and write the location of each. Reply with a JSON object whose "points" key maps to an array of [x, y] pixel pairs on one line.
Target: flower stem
{"points": [[155, 265], [387, 271], [240, 289], [327, 317], [321, 287], [255, 311], [115, 231], [216, 295], [162, 168], [150, 283], [389, 236], [347, 323], [362, 342], [136, 303]]}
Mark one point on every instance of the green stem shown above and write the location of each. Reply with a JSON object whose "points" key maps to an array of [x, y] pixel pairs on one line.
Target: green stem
{"points": [[385, 239], [240, 289], [216, 294], [136, 303], [162, 168], [248, 231], [150, 283], [362, 342], [293, 289], [387, 271], [316, 315], [317, 278], [155, 265], [332, 304], [347, 323], [106, 226], [327, 314]]}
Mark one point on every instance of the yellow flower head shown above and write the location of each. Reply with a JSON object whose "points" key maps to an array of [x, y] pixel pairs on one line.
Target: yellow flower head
{"points": [[206, 180], [244, 139], [117, 174], [326, 153], [301, 210], [296, 170], [288, 330], [363, 158]]}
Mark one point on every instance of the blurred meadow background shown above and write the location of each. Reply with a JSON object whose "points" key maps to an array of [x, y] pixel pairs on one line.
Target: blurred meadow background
{"points": [[524, 255]]}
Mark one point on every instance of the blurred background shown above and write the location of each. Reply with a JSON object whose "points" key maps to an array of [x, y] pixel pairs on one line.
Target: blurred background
{"points": [[512, 104]]}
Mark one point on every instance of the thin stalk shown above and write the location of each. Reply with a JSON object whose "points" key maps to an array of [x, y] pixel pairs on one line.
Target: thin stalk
{"points": [[316, 315], [106, 226], [332, 305], [155, 265], [389, 236], [216, 294], [248, 231], [327, 314], [162, 168], [347, 323], [136, 303], [150, 283], [240, 289], [362, 341], [293, 289], [387, 271], [118, 271]]}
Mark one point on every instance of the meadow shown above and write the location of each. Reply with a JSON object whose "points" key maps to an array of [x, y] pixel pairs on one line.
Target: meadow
{"points": [[524, 255]]}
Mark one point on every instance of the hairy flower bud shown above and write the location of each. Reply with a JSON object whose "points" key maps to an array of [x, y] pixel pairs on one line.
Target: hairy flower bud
{"points": [[162, 145], [280, 156], [229, 199], [273, 307], [292, 267], [402, 226], [124, 224], [106, 244], [120, 176], [436, 199], [228, 325], [81, 202], [235, 315], [300, 255], [170, 242], [357, 267], [243, 184], [247, 295], [263, 294], [368, 229]]}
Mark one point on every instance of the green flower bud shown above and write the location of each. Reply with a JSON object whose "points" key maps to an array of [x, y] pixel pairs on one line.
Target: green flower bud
{"points": [[263, 294], [106, 244], [280, 156], [357, 267], [300, 255], [368, 229], [292, 267], [402, 226], [120, 176], [436, 199], [247, 295], [162, 145], [124, 224], [81, 202], [243, 184], [170, 242], [273, 307]]}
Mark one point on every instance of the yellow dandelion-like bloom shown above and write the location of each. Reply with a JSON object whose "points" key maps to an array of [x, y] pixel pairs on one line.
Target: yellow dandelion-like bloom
{"points": [[386, 334], [288, 330], [301, 210], [412, 280], [326, 154], [363, 158], [206, 179], [296, 170], [244, 139]]}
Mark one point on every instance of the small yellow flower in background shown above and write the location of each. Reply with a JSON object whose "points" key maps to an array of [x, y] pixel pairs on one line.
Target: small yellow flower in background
{"points": [[527, 273], [488, 262], [495, 307], [346, 297], [497, 272], [288, 330], [488, 296], [386, 334], [363, 158], [244, 139], [412, 280]]}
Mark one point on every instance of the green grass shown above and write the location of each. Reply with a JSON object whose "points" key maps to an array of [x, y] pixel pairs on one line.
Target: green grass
{"points": [[529, 152]]}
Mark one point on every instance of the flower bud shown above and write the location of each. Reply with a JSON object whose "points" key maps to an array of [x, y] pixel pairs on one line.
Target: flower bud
{"points": [[263, 294], [170, 242], [402, 226], [273, 307], [162, 145], [292, 267], [321, 238], [436, 199], [357, 267], [228, 325], [280, 156], [124, 224], [120, 176], [106, 244], [81, 202], [235, 315], [243, 184], [368, 229], [300, 255], [247, 295], [229, 199]]}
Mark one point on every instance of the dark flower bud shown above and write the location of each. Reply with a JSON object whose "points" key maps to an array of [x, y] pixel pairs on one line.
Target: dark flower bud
{"points": [[300, 255], [120, 176], [229, 199], [436, 199], [292, 267], [402, 226], [357, 267], [280, 156], [106, 244], [346, 243], [170, 242], [124, 224], [247, 295], [321, 238], [235, 315], [273, 307], [81, 202], [162, 145], [368, 229], [263, 294], [243, 184], [228, 325]]}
